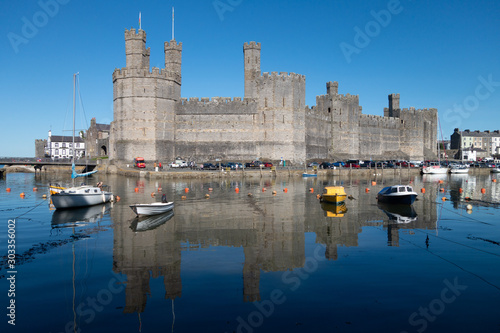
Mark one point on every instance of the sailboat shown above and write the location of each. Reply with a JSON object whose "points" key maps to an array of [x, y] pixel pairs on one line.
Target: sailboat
{"points": [[84, 195]]}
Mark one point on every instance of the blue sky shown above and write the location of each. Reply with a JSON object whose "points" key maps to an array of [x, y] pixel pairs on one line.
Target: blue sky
{"points": [[441, 54]]}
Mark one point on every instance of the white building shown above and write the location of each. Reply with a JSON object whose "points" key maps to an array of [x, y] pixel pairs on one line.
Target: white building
{"points": [[61, 147]]}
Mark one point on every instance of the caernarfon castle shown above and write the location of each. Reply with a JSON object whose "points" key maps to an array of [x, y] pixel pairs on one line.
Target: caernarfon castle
{"points": [[271, 122]]}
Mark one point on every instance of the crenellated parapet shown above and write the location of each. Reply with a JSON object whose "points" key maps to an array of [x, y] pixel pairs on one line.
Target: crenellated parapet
{"points": [[251, 45], [155, 73], [367, 120], [283, 76]]}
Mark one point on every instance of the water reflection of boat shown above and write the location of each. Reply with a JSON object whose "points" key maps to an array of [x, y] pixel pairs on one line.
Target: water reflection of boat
{"points": [[71, 217], [305, 174], [399, 213], [334, 209], [150, 222]]}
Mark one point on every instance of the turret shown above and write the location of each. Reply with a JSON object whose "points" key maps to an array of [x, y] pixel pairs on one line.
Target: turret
{"points": [[251, 57], [332, 88], [173, 58], [135, 49]]}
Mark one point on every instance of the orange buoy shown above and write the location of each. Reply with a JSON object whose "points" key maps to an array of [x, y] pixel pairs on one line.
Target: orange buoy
{"points": [[207, 196], [8, 189], [44, 196], [237, 190], [183, 197], [311, 190], [440, 181], [153, 194], [274, 192], [159, 189], [367, 190], [263, 189], [117, 198], [441, 189], [22, 195], [460, 190], [136, 189], [285, 190], [318, 196], [374, 183], [483, 191], [494, 180], [186, 190], [422, 190], [443, 198], [35, 189]]}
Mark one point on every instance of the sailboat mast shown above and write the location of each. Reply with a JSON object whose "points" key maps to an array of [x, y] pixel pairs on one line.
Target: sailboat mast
{"points": [[74, 106]]}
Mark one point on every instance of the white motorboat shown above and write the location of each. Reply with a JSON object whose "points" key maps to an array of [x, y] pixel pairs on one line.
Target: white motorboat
{"points": [[459, 168], [154, 208], [397, 194], [434, 170], [80, 196], [495, 170]]}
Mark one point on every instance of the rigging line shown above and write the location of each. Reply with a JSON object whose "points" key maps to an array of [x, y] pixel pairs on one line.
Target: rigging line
{"points": [[467, 217], [454, 242], [81, 103], [29, 210], [452, 263]]}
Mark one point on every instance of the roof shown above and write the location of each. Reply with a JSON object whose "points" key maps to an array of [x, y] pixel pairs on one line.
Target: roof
{"points": [[103, 127], [65, 138], [480, 134]]}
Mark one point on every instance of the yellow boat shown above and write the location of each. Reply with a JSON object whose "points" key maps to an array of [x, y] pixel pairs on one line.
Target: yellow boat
{"points": [[334, 194]]}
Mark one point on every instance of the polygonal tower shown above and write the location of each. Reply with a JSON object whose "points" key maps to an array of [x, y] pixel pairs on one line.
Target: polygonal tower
{"points": [[251, 52], [144, 102]]}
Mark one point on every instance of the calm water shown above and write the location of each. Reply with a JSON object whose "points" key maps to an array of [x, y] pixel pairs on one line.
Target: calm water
{"points": [[260, 263]]}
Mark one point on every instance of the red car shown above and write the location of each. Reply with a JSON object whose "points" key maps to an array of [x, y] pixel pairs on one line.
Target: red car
{"points": [[267, 164], [139, 162], [354, 165]]}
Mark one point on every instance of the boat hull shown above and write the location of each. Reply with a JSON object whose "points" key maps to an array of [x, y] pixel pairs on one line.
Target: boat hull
{"points": [[406, 199], [460, 170], [495, 170], [64, 200], [309, 175], [152, 209], [434, 170], [333, 198]]}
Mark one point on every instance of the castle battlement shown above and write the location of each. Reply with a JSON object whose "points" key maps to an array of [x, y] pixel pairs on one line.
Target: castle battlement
{"points": [[251, 45], [131, 34], [216, 101], [283, 76], [173, 45], [155, 73], [378, 121]]}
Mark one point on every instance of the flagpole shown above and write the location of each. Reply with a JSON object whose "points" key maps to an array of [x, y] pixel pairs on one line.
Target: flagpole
{"points": [[173, 23], [139, 20]]}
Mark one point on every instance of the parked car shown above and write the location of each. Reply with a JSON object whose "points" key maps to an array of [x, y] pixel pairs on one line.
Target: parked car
{"points": [[209, 166], [338, 164], [352, 164], [267, 164], [139, 162], [326, 165], [254, 164], [313, 164]]}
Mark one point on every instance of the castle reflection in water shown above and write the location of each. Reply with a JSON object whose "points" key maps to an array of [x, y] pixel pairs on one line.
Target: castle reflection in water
{"points": [[270, 228]]}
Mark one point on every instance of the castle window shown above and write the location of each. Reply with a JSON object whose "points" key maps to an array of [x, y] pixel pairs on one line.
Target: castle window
{"points": [[265, 102], [329, 110], [283, 101]]}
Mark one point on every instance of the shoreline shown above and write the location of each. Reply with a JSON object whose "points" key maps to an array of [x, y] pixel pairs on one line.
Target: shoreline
{"points": [[280, 172]]}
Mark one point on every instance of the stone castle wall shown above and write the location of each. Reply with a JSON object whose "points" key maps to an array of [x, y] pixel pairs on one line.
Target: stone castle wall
{"points": [[271, 122]]}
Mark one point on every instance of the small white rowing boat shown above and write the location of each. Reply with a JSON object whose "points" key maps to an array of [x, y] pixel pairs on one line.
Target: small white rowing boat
{"points": [[152, 208]]}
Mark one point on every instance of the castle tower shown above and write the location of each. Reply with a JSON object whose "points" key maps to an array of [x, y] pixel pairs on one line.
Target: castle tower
{"points": [[144, 102], [135, 49], [251, 57], [393, 109]]}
